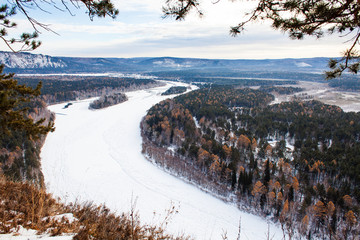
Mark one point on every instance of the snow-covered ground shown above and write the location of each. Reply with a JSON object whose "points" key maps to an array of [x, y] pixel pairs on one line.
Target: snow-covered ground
{"points": [[29, 234], [348, 101], [96, 156]]}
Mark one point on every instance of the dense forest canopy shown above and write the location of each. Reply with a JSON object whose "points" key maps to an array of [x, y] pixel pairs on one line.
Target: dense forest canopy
{"points": [[285, 160], [108, 100], [174, 90]]}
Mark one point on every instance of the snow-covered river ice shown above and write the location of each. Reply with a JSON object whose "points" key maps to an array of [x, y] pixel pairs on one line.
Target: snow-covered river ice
{"points": [[96, 156]]}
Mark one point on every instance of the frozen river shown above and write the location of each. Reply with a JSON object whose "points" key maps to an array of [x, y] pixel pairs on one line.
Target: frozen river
{"points": [[96, 156]]}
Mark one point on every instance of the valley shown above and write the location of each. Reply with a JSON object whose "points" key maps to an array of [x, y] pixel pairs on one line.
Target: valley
{"points": [[278, 159], [96, 156], [238, 150]]}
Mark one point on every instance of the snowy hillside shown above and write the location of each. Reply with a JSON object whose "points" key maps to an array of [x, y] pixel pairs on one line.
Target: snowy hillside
{"points": [[26, 60], [96, 156], [37, 63]]}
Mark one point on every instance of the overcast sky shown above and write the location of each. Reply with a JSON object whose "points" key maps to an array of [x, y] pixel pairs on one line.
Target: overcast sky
{"points": [[140, 31]]}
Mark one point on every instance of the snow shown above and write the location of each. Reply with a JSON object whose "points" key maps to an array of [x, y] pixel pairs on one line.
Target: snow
{"points": [[96, 156], [106, 74], [172, 64], [66, 216], [196, 122], [172, 148], [22, 60], [30, 234], [349, 101], [302, 64]]}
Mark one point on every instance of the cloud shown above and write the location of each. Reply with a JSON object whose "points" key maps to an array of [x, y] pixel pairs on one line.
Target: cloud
{"points": [[140, 5], [252, 46], [140, 31]]}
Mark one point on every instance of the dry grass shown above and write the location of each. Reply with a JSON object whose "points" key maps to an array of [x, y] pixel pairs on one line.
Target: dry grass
{"points": [[22, 204]]}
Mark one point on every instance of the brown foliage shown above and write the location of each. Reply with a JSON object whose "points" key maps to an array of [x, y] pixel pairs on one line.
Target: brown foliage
{"points": [[320, 209], [350, 218], [347, 200], [258, 189], [26, 205], [243, 141], [330, 208], [295, 184], [304, 225]]}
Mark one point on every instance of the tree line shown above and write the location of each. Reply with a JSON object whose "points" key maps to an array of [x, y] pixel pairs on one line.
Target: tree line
{"points": [[174, 90], [69, 88]]}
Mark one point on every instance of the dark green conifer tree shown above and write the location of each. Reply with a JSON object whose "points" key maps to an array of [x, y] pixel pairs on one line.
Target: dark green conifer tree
{"points": [[13, 114], [267, 173]]}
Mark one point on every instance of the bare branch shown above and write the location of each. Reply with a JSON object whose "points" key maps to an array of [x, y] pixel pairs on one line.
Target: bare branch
{"points": [[99, 8]]}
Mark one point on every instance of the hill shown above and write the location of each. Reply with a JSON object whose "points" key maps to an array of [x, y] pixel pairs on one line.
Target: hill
{"points": [[37, 63]]}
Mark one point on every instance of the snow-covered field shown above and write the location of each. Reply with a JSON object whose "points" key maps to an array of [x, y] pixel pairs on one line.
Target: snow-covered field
{"points": [[96, 156], [348, 101]]}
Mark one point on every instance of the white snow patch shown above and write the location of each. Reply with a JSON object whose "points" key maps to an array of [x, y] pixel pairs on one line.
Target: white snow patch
{"points": [[172, 148], [289, 146], [321, 91], [22, 60], [66, 216], [302, 64], [96, 156], [109, 74], [171, 63], [22, 233], [196, 122]]}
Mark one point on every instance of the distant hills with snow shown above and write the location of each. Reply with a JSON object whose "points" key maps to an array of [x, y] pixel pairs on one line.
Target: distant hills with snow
{"points": [[37, 63]]}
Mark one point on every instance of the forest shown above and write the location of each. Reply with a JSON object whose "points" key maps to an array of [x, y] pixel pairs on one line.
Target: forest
{"points": [[345, 84], [57, 89], [108, 100], [281, 90], [174, 90], [242, 77], [297, 162]]}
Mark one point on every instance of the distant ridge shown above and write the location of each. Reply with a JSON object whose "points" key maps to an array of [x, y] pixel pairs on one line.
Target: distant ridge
{"points": [[38, 63], [28, 60]]}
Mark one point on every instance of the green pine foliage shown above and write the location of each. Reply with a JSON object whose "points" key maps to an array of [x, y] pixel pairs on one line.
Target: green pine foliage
{"points": [[24, 122], [13, 111]]}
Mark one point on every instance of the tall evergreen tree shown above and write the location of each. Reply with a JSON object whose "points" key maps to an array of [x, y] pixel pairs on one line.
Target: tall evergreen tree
{"points": [[13, 114], [267, 173]]}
